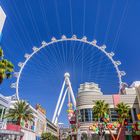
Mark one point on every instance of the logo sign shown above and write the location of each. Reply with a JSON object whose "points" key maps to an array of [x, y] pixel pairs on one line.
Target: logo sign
{"points": [[38, 107], [138, 116]]}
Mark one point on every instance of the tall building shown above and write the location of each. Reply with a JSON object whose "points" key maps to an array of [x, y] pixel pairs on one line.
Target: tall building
{"points": [[88, 93], [2, 20], [27, 130], [136, 85]]}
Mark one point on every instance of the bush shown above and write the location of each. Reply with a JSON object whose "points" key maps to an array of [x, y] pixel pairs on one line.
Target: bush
{"points": [[48, 136]]}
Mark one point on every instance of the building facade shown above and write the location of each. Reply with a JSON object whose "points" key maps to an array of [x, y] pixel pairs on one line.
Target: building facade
{"points": [[8, 131], [4, 104], [136, 85], [28, 130], [88, 93], [51, 128]]}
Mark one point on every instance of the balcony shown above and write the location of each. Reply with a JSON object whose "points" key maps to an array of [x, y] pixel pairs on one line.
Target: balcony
{"points": [[13, 127], [11, 130]]}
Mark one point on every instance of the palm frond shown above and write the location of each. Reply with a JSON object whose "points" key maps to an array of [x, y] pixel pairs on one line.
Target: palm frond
{"points": [[100, 108], [20, 110]]}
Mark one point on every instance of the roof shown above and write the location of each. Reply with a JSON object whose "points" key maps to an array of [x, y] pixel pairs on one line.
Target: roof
{"points": [[4, 101]]}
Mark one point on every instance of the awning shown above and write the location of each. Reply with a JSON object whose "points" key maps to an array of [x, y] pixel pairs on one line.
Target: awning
{"points": [[9, 132]]}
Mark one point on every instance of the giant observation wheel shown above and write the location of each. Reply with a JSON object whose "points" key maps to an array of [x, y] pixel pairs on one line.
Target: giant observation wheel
{"points": [[84, 39]]}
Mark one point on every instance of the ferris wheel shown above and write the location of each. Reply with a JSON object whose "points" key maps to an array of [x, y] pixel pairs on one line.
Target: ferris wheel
{"points": [[69, 89], [84, 39]]}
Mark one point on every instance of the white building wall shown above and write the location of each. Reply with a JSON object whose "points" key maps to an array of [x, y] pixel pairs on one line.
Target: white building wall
{"points": [[136, 85], [28, 134], [89, 93]]}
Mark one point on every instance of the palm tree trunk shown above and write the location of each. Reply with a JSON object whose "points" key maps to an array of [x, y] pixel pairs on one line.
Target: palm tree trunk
{"points": [[112, 135], [100, 137], [18, 121], [120, 130], [1, 79]]}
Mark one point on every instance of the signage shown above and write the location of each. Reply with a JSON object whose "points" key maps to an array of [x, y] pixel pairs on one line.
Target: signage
{"points": [[138, 116], [13, 127], [38, 107]]}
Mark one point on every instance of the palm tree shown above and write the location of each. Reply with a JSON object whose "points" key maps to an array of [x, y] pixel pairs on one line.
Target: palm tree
{"points": [[45, 136], [6, 67], [48, 136], [123, 112], [54, 137], [1, 53], [20, 111], [100, 109], [68, 138]]}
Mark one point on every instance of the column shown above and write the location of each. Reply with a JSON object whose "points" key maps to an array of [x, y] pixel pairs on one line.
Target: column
{"points": [[1, 117], [132, 114]]}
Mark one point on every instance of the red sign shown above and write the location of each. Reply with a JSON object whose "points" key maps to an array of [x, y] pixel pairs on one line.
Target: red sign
{"points": [[13, 127]]}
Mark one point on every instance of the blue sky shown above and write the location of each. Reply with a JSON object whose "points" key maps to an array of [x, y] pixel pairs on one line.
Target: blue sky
{"points": [[111, 22]]}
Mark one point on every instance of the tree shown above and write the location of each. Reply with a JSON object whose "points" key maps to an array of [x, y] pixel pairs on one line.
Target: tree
{"points": [[68, 138], [48, 136], [20, 111], [6, 67], [123, 112], [101, 109], [54, 137]]}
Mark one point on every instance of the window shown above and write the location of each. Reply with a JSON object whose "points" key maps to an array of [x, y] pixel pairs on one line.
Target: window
{"points": [[135, 114], [2, 112], [82, 114], [130, 117], [113, 115], [86, 115]]}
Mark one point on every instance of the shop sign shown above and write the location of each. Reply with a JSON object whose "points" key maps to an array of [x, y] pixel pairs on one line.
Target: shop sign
{"points": [[138, 116], [38, 107]]}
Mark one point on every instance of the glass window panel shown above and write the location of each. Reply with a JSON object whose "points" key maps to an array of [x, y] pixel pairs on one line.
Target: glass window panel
{"points": [[113, 115], [135, 114], [82, 115]]}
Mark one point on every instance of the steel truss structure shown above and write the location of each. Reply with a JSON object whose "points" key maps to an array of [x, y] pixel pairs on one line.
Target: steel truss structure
{"points": [[62, 97]]}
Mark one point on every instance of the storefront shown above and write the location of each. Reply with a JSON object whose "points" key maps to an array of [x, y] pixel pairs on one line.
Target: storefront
{"points": [[9, 134], [88, 93]]}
